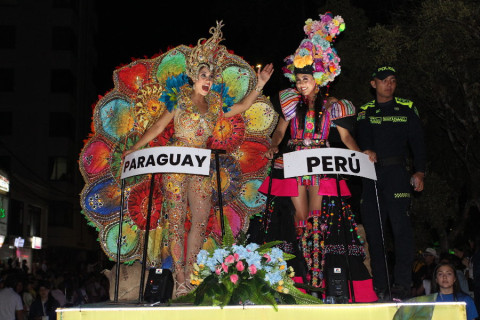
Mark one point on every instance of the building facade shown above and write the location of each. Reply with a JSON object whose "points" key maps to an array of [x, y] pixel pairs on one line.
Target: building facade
{"points": [[46, 92]]}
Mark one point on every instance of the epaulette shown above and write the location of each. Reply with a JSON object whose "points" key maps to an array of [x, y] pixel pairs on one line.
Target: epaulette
{"points": [[367, 105], [404, 102]]}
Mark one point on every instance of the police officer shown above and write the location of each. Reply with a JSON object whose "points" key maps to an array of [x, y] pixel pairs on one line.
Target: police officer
{"points": [[389, 125]]}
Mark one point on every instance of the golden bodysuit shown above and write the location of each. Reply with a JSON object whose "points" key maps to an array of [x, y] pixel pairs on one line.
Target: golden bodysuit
{"points": [[192, 129]]}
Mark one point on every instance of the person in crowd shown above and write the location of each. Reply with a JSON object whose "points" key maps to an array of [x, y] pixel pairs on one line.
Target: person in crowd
{"points": [[449, 290], [476, 271], [446, 289], [422, 277], [28, 297], [11, 306], [45, 304], [194, 115], [388, 125]]}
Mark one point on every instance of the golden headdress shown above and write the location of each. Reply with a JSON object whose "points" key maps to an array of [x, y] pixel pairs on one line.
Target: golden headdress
{"points": [[207, 53]]}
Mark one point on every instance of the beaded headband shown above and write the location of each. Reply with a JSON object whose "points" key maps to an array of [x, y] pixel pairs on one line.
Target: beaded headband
{"points": [[315, 55], [207, 53]]}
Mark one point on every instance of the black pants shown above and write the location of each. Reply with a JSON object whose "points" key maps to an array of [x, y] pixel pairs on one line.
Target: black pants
{"points": [[394, 193]]}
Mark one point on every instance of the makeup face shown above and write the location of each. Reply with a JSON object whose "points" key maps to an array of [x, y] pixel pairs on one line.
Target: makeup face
{"points": [[445, 278], [204, 82], [305, 84]]}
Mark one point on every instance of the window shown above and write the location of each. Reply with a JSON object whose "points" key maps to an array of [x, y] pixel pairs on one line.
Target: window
{"points": [[60, 169], [7, 77], [63, 81], [35, 214], [6, 120], [63, 38], [7, 37], [61, 125], [15, 218], [60, 214]]}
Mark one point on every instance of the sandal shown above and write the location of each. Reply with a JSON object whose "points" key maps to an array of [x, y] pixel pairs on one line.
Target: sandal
{"points": [[182, 289]]}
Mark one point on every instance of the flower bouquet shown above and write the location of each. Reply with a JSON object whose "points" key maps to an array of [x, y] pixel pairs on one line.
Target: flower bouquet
{"points": [[244, 274]]}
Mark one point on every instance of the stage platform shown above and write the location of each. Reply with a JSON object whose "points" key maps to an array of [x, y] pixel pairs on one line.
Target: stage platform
{"points": [[131, 311]]}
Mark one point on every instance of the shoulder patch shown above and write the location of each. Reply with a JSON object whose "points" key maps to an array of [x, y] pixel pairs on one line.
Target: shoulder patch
{"points": [[367, 105], [404, 102], [361, 115]]}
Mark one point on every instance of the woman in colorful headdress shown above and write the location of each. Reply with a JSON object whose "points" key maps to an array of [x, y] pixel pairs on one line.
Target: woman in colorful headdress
{"points": [[195, 111], [311, 116]]}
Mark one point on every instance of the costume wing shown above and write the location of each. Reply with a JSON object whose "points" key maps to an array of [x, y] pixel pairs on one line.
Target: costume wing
{"points": [[142, 91]]}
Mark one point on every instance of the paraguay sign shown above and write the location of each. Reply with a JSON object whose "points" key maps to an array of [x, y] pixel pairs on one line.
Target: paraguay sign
{"points": [[167, 159], [328, 161]]}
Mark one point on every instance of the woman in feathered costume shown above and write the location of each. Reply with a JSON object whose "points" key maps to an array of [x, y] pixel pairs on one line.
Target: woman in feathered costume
{"points": [[195, 115]]}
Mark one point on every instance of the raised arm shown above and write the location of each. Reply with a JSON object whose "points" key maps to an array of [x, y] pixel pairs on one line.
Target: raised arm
{"points": [[262, 78], [152, 132]]}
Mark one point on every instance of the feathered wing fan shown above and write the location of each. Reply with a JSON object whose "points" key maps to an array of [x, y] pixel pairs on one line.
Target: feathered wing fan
{"points": [[142, 91]]}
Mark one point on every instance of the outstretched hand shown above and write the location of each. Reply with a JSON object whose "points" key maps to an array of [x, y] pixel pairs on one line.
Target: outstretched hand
{"points": [[264, 74]]}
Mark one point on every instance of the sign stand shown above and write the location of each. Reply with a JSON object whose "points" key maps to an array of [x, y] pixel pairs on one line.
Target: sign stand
{"points": [[153, 172], [217, 152]]}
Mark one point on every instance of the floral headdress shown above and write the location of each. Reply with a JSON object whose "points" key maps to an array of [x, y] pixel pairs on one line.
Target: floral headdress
{"points": [[207, 53], [315, 55]]}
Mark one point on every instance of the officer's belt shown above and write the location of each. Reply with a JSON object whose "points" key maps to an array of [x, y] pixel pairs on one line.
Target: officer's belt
{"points": [[390, 161]]}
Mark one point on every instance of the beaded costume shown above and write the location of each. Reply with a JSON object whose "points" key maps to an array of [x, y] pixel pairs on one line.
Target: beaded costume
{"points": [[143, 90], [329, 235]]}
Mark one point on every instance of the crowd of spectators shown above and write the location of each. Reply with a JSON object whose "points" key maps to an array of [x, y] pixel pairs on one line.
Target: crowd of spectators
{"points": [[33, 292]]}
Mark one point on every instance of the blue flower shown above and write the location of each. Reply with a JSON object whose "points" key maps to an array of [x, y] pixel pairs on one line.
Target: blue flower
{"points": [[276, 254], [202, 257]]}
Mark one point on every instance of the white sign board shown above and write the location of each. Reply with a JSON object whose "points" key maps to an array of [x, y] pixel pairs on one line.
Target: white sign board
{"points": [[328, 161], [167, 159], [4, 184]]}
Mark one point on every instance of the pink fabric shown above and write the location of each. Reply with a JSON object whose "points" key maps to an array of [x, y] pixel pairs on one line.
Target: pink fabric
{"points": [[280, 187], [328, 187], [299, 280], [363, 290]]}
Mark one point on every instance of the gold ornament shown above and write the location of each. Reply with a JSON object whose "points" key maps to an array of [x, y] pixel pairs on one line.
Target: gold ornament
{"points": [[207, 53]]}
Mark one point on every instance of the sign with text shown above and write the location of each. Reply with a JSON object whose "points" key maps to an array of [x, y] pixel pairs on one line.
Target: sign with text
{"points": [[328, 161], [167, 159]]}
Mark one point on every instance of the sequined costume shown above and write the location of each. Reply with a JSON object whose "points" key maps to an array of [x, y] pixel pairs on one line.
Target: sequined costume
{"points": [[191, 129], [143, 90]]}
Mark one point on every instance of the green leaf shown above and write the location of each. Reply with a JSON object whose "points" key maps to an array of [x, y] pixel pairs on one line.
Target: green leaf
{"points": [[228, 238], [264, 248]]}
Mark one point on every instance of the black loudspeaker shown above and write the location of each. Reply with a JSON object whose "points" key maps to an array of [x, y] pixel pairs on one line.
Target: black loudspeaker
{"points": [[159, 285], [337, 285]]}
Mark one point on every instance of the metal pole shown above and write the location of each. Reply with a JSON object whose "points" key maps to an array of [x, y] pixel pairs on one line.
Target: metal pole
{"points": [[119, 241], [216, 152], [145, 241], [383, 242], [345, 234]]}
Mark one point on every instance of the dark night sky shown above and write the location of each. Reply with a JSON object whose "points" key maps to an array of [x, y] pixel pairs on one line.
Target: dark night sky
{"points": [[260, 31]]}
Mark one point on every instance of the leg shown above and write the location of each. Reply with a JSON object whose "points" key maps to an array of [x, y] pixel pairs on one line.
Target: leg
{"points": [[314, 199], [200, 201], [371, 223], [301, 204], [176, 208], [397, 200]]}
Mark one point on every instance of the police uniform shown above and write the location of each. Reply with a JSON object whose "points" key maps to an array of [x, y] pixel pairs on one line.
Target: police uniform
{"points": [[388, 129]]}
